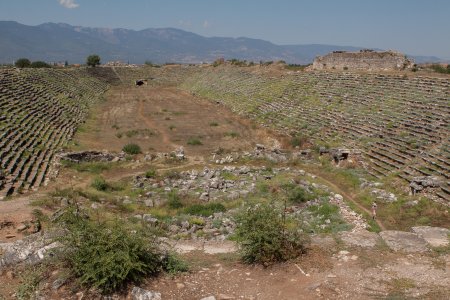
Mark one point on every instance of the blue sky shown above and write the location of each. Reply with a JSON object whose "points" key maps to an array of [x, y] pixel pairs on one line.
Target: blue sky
{"points": [[417, 27]]}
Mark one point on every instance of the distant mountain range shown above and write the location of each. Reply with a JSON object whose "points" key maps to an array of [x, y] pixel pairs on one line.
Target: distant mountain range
{"points": [[60, 42]]}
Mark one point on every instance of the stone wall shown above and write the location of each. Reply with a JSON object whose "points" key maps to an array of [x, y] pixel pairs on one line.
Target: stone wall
{"points": [[364, 60]]}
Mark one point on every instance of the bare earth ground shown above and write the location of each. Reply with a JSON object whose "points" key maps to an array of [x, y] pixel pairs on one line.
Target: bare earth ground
{"points": [[173, 117], [162, 119], [321, 274]]}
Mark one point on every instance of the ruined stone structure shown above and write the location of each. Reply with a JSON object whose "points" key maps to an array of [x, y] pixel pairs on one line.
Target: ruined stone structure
{"points": [[367, 60]]}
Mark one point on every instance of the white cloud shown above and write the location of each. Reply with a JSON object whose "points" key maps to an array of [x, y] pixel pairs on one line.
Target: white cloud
{"points": [[206, 24], [68, 3]]}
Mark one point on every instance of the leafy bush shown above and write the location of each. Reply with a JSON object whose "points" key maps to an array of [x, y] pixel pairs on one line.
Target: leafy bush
{"points": [[100, 184], [131, 149], [173, 264], [265, 235], [205, 210], [151, 173], [194, 142], [299, 195], [108, 256], [174, 200]]}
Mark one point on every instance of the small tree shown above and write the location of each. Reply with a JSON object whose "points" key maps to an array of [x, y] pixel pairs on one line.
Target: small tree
{"points": [[23, 63], [93, 60]]}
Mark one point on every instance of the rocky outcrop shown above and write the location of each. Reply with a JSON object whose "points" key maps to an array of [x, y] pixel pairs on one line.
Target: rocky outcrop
{"points": [[31, 249]]}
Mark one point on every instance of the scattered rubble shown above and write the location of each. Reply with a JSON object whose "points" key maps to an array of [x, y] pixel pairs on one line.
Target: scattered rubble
{"points": [[348, 214], [418, 184]]}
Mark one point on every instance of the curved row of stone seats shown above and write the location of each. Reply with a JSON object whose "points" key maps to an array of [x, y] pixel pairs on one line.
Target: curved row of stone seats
{"points": [[395, 119], [41, 110]]}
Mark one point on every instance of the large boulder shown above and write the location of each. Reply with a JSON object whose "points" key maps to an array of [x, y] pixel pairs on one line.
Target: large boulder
{"points": [[404, 241], [435, 236]]}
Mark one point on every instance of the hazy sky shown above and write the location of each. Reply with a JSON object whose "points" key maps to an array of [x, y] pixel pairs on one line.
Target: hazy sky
{"points": [[417, 27]]}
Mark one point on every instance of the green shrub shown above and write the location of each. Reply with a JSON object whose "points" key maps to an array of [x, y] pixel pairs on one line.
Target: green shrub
{"points": [[213, 124], [151, 173], [194, 142], [100, 184], [173, 264], [174, 200], [107, 256], [205, 210], [265, 235], [299, 195], [131, 149]]}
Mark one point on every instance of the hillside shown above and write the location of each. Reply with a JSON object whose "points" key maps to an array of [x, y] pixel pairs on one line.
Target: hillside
{"points": [[60, 42], [398, 123]]}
